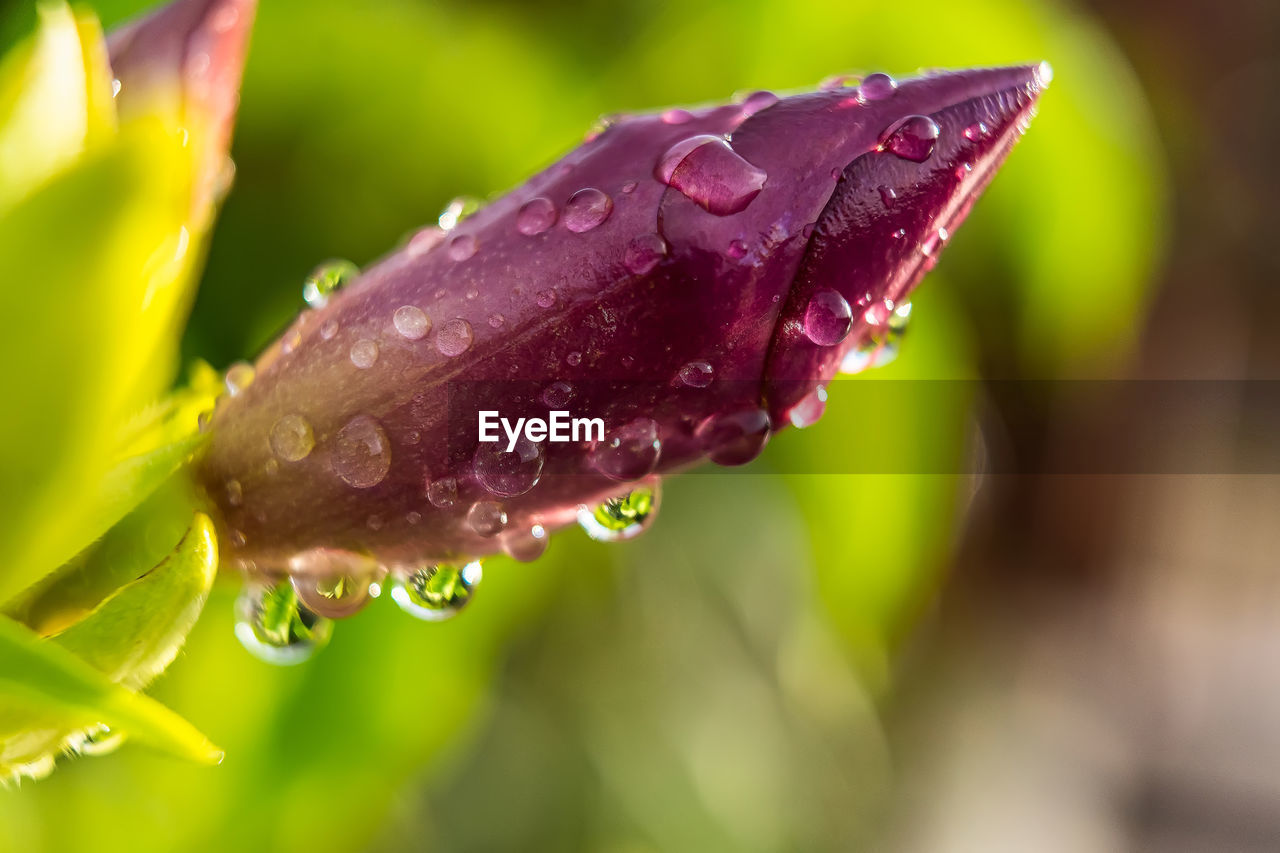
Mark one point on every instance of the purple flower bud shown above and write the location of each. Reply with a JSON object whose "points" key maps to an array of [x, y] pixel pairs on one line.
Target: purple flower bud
{"points": [[691, 278]]}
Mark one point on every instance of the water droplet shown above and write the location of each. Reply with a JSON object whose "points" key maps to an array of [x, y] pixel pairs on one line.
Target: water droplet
{"points": [[827, 318], [99, 740], [888, 195], [628, 452], [586, 209], [292, 438], [361, 453], [734, 438], [275, 627], [644, 253], [443, 493], [810, 409], [535, 216], [364, 353], [496, 321], [911, 138], [291, 341], [462, 247], [557, 395], [328, 330], [677, 116], [435, 593], [454, 337], [977, 132], [877, 87], [411, 322], [737, 250], [545, 298], [487, 518], [711, 174], [574, 358], [629, 187], [457, 210], [413, 516], [508, 473], [327, 279], [899, 234], [696, 374], [525, 545], [622, 517], [239, 376], [757, 101], [334, 597], [235, 493]]}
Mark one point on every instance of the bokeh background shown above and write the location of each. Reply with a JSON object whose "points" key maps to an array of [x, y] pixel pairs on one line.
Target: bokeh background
{"points": [[1074, 661]]}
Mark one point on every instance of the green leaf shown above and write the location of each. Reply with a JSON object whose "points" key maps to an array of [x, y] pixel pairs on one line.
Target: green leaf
{"points": [[49, 695], [86, 255], [55, 98]]}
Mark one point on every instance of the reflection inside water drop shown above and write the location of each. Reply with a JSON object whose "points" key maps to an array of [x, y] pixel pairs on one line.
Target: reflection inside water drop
{"points": [[275, 627], [435, 593]]}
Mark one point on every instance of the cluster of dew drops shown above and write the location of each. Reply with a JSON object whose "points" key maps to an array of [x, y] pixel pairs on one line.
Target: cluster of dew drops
{"points": [[286, 619]]}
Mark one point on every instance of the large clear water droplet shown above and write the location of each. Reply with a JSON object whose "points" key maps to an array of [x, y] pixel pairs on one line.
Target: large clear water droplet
{"points": [[696, 374], [292, 438], [587, 209], [326, 279], [827, 318], [912, 138], [535, 216], [734, 438], [454, 337], [508, 473], [443, 493], [462, 247], [411, 322], [877, 87], [435, 593], [333, 597], [628, 452], [621, 517], [364, 353], [275, 627], [525, 545], [487, 518], [361, 453], [710, 173]]}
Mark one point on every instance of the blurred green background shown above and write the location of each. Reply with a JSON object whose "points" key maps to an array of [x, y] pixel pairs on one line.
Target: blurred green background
{"points": [[721, 683]]}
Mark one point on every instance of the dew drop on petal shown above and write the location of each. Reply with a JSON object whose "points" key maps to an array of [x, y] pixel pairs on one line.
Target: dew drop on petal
{"points": [[737, 250], [508, 473], [435, 593], [411, 322], [364, 353], [573, 359], [757, 101], [912, 138], [536, 216], [587, 209], [877, 87], [734, 438], [275, 627], [622, 517], [361, 453], [525, 545], [827, 318], [333, 595], [707, 171], [292, 438], [239, 376], [328, 330], [809, 410], [462, 247], [454, 337], [545, 298], [443, 493], [677, 116], [644, 253], [628, 452], [696, 374], [977, 132], [487, 518]]}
